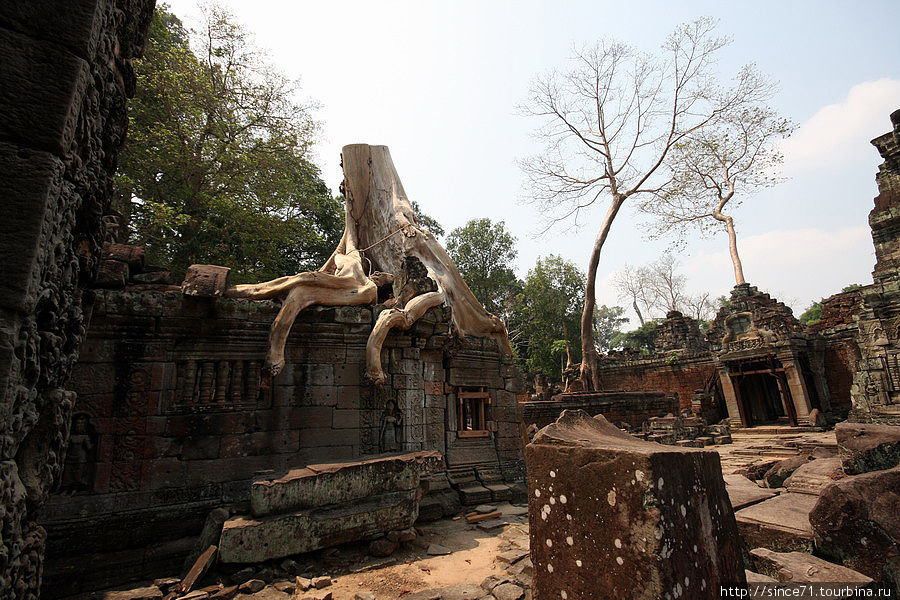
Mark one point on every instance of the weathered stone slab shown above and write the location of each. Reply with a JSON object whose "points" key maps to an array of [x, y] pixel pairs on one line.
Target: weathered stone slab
{"points": [[126, 253], [743, 492], [780, 523], [249, 540], [800, 567], [112, 274], [781, 470], [867, 447], [815, 475], [206, 281], [856, 522], [341, 482], [607, 510]]}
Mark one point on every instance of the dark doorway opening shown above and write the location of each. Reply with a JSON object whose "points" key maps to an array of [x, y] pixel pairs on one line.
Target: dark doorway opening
{"points": [[762, 392]]}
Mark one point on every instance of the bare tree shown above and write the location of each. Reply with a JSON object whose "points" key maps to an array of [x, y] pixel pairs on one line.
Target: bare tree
{"points": [[700, 306], [709, 165], [609, 124], [631, 285], [665, 285]]}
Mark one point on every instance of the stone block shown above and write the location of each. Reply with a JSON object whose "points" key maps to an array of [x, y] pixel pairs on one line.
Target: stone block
{"points": [[780, 523], [252, 540], [855, 521], [129, 254], [743, 492], [319, 395], [607, 510], [346, 419], [348, 374], [867, 447], [334, 483], [205, 281], [314, 374], [42, 89], [812, 477], [354, 315], [800, 567]]}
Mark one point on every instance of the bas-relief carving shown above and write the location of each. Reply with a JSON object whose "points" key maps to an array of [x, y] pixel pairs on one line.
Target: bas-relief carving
{"points": [[391, 433], [81, 456]]}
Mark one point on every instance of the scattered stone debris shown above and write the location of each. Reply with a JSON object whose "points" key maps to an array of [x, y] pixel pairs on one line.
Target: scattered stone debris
{"points": [[780, 523], [800, 567], [437, 550]]}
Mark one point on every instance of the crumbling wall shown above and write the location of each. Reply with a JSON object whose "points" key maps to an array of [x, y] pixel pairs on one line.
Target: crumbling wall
{"points": [[678, 376], [65, 75], [876, 384], [172, 420], [836, 334], [632, 408]]}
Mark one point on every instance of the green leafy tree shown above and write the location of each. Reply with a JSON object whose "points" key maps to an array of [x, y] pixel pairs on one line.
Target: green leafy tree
{"points": [[484, 253], [812, 315], [608, 321], [426, 221], [548, 312], [642, 339], [217, 164], [852, 287]]}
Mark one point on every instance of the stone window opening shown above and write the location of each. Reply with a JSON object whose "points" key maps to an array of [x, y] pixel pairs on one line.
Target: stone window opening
{"points": [[473, 411]]}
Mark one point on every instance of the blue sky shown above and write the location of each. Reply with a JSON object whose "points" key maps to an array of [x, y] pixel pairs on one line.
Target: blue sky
{"points": [[438, 82]]}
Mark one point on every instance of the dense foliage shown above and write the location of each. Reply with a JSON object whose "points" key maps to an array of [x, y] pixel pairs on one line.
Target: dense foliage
{"points": [[217, 165], [484, 253]]}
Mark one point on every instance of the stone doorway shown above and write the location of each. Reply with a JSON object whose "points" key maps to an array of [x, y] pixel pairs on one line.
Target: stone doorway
{"points": [[762, 392]]}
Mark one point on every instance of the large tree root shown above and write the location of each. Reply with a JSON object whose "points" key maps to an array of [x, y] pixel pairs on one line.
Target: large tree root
{"points": [[380, 231]]}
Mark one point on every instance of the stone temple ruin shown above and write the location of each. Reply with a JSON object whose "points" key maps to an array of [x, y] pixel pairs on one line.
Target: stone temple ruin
{"points": [[208, 441]]}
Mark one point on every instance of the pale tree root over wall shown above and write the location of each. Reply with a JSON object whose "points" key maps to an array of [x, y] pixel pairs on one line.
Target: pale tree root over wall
{"points": [[380, 233]]}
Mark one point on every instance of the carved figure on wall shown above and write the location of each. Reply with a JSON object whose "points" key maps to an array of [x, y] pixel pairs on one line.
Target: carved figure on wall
{"points": [[78, 471], [391, 428]]}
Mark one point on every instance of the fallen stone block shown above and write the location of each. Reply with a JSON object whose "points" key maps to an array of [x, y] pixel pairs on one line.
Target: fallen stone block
{"points": [[129, 254], [320, 582], [342, 482], [756, 470], [857, 523], [205, 281], [512, 556], [867, 447], [743, 492], [474, 494], [252, 540], [142, 593], [800, 567], [403, 536], [780, 523], [161, 277], [382, 547], [437, 550], [508, 591], [492, 524], [252, 586], [783, 469], [112, 275], [607, 510], [812, 477], [465, 591]]}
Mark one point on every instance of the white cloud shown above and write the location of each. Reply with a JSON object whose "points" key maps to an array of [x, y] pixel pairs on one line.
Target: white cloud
{"points": [[798, 266], [836, 132]]}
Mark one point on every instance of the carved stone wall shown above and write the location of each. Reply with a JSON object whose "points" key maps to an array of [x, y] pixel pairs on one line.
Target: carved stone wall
{"points": [[678, 376], [876, 384], [679, 333], [65, 74], [172, 421]]}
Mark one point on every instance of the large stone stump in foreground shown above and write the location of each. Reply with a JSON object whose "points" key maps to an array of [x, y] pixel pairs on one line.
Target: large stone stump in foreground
{"points": [[616, 517]]}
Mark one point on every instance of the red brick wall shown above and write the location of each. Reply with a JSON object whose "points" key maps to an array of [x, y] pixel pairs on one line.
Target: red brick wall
{"points": [[682, 378]]}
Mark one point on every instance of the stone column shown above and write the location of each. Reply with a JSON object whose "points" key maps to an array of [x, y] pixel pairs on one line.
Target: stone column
{"points": [[731, 397], [799, 391]]}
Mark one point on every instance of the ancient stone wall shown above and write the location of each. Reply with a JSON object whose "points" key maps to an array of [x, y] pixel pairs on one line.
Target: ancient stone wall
{"points": [[836, 335], [677, 375], [171, 420], [65, 74], [630, 407], [876, 384]]}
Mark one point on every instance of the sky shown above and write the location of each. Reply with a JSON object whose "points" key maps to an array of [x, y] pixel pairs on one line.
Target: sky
{"points": [[439, 83]]}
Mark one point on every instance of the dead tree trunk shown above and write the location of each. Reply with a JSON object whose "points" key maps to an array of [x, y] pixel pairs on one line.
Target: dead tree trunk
{"points": [[380, 232]]}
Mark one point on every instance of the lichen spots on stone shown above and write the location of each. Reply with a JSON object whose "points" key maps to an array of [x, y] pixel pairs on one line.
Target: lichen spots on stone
{"points": [[562, 499], [563, 595], [549, 568], [659, 484], [620, 560], [611, 497], [568, 517], [569, 540], [552, 500], [618, 543], [578, 563], [683, 510], [537, 493], [639, 475], [552, 473], [549, 543]]}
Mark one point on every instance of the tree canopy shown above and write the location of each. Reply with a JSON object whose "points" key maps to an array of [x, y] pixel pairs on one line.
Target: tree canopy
{"points": [[548, 310], [217, 166], [484, 253]]}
